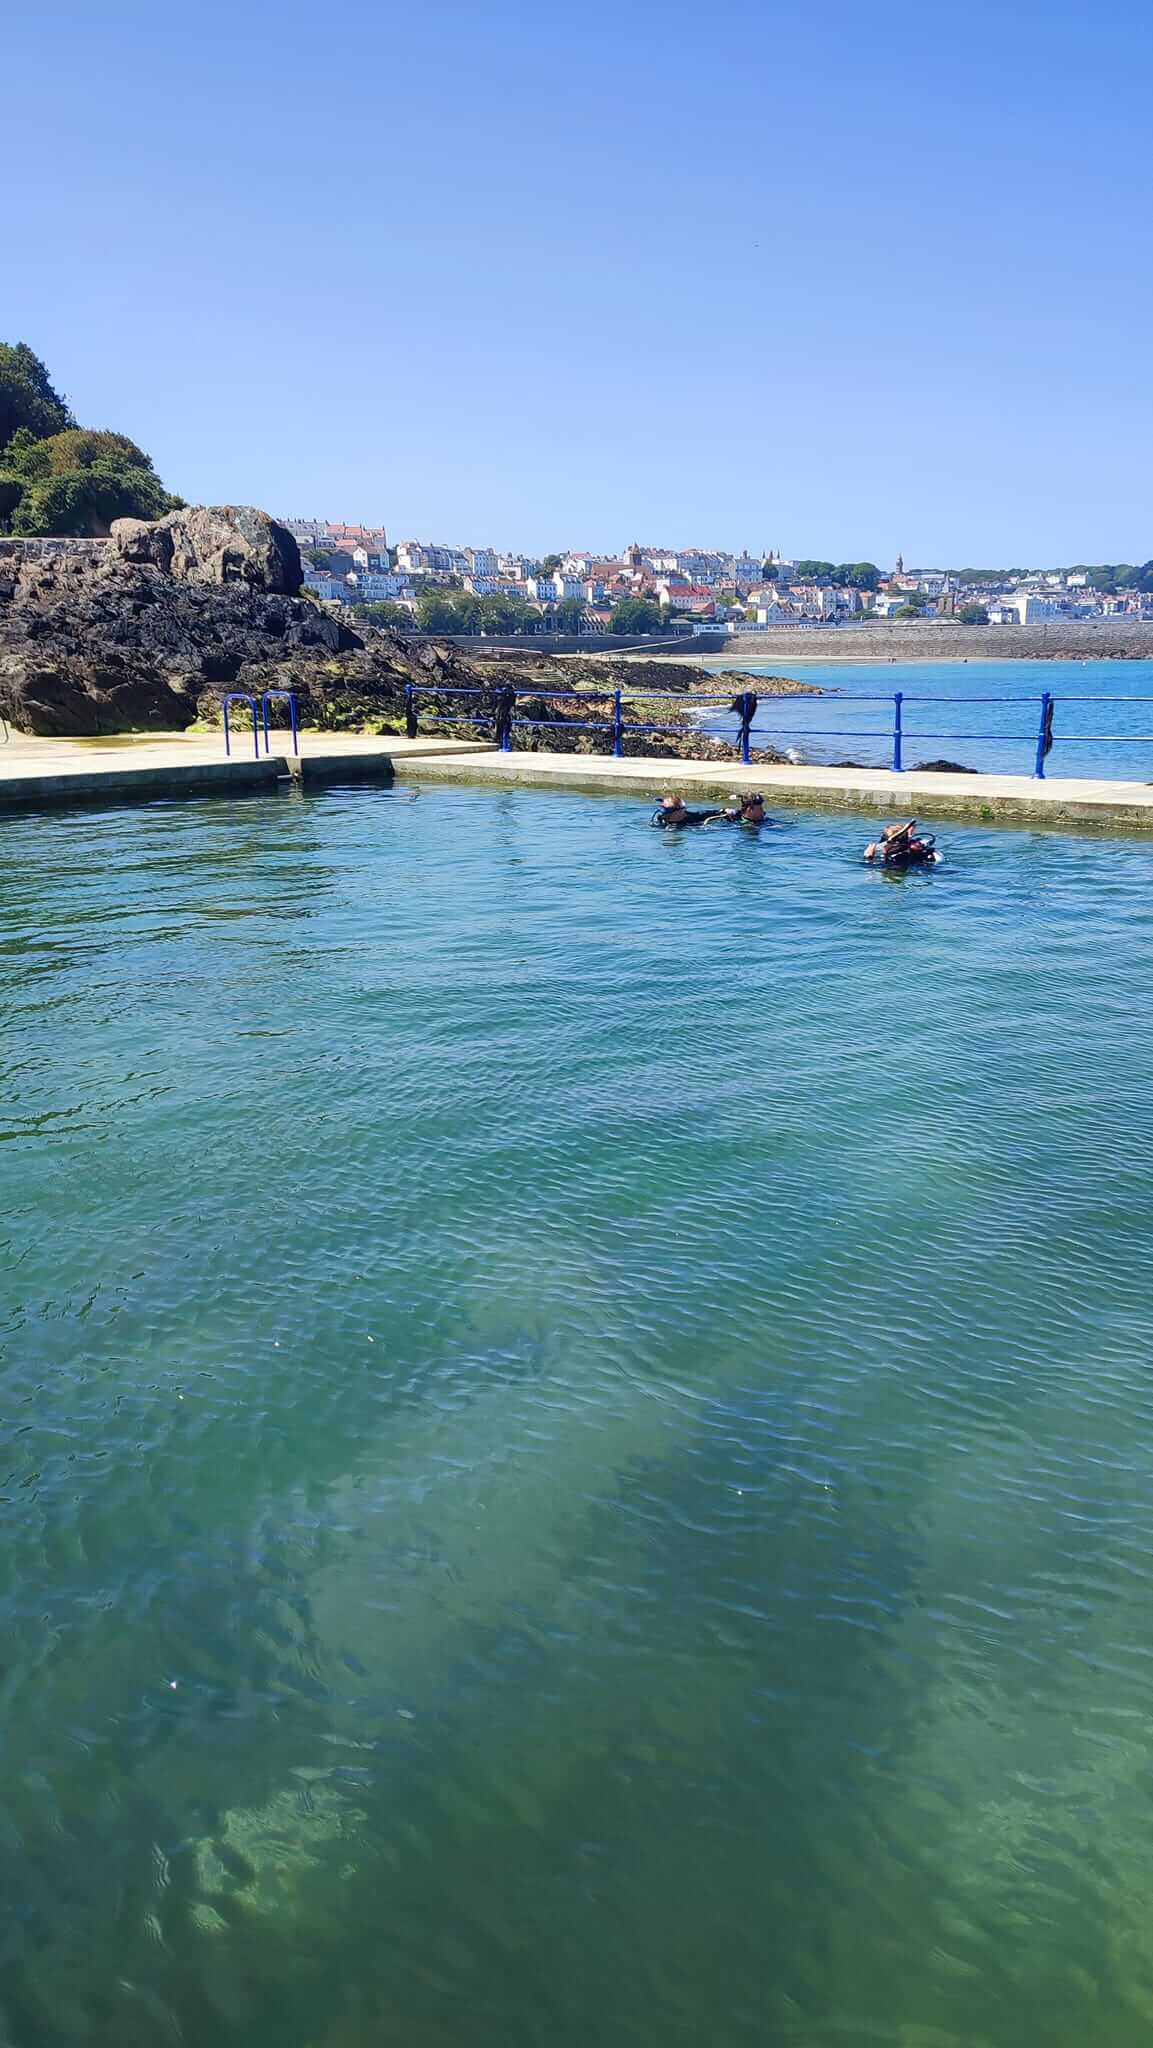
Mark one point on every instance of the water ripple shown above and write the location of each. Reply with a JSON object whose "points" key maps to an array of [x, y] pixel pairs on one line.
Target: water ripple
{"points": [[577, 1431]]}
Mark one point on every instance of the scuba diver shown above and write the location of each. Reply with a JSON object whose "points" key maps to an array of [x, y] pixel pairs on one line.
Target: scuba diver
{"points": [[750, 811], [671, 815], [899, 846]]}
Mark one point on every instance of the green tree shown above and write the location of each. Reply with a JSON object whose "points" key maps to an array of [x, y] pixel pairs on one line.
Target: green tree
{"points": [[500, 613], [973, 615], [548, 565], [448, 611], [812, 571], [857, 576], [79, 481], [636, 615], [319, 557], [27, 397], [383, 613], [569, 614]]}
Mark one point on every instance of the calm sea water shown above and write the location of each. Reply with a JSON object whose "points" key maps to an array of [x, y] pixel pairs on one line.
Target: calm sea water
{"points": [[941, 721], [578, 1419]]}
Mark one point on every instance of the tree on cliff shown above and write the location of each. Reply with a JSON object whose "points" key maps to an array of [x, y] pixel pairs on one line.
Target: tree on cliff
{"points": [[56, 477], [973, 615], [27, 398], [78, 482]]}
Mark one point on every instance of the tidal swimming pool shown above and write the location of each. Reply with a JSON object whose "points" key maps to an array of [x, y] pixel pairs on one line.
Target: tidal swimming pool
{"points": [[578, 1431]]}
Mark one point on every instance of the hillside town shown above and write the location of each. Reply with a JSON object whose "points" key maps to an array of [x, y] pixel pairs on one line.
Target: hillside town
{"points": [[436, 587]]}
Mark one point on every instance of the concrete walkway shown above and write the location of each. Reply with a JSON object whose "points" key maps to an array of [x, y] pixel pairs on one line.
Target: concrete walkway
{"points": [[44, 771], [1058, 802], [147, 765]]}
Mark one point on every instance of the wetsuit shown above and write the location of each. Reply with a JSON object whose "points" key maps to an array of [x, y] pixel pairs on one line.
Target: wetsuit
{"points": [[670, 824], [909, 853]]}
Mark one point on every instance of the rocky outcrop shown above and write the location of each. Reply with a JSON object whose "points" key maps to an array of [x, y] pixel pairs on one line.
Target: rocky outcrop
{"points": [[215, 544], [150, 631]]}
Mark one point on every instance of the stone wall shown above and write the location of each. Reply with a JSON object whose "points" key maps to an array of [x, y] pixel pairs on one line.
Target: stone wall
{"points": [[580, 643], [939, 640], [14, 550]]}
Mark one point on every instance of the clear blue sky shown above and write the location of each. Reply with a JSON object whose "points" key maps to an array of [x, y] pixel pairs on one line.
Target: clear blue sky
{"points": [[835, 280]]}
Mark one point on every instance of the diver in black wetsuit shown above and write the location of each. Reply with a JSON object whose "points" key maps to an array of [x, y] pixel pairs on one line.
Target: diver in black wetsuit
{"points": [[900, 847], [671, 815], [750, 811]]}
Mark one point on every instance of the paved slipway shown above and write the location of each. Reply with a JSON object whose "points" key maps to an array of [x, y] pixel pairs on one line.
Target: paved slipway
{"points": [[43, 771]]}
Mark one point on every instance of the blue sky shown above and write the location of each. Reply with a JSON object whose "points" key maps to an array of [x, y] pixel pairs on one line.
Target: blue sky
{"points": [[835, 281]]}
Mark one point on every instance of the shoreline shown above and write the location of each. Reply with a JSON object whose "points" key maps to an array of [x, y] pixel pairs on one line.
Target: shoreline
{"points": [[907, 660]]}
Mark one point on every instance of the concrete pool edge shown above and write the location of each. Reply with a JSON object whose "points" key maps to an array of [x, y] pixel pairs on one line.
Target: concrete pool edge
{"points": [[146, 767], [38, 776], [981, 798]]}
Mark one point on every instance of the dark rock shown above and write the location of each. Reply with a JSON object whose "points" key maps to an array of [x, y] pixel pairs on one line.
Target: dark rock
{"points": [[942, 768], [215, 544], [153, 629]]}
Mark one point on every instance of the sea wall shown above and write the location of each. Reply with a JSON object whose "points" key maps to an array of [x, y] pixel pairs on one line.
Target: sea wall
{"points": [[580, 643], [940, 640]]}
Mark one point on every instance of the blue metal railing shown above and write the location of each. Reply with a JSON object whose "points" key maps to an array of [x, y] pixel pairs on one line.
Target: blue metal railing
{"points": [[615, 727], [285, 697], [267, 697], [241, 697]]}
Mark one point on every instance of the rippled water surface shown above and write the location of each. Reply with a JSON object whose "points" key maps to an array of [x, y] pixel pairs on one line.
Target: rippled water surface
{"points": [[578, 1432]]}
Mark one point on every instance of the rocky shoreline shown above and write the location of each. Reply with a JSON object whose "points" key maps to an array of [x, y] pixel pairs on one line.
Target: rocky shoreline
{"points": [[150, 630]]}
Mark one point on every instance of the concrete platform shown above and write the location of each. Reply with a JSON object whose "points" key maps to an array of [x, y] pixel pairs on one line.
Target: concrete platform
{"points": [[147, 766], [143, 766], [1061, 801]]}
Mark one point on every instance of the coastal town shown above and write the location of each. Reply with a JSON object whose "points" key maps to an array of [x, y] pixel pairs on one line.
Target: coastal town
{"points": [[440, 588]]}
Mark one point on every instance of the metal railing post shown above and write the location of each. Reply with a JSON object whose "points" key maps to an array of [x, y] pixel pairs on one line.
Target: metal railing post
{"points": [[283, 697], [898, 730], [241, 697], [617, 726], [745, 730], [1044, 734], [410, 718]]}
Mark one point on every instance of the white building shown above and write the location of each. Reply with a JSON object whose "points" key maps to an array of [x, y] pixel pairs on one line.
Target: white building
{"points": [[380, 586], [412, 554], [482, 561], [332, 589], [555, 589]]}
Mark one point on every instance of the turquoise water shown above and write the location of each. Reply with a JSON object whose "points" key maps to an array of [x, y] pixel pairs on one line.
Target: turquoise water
{"points": [[995, 737], [578, 1431]]}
